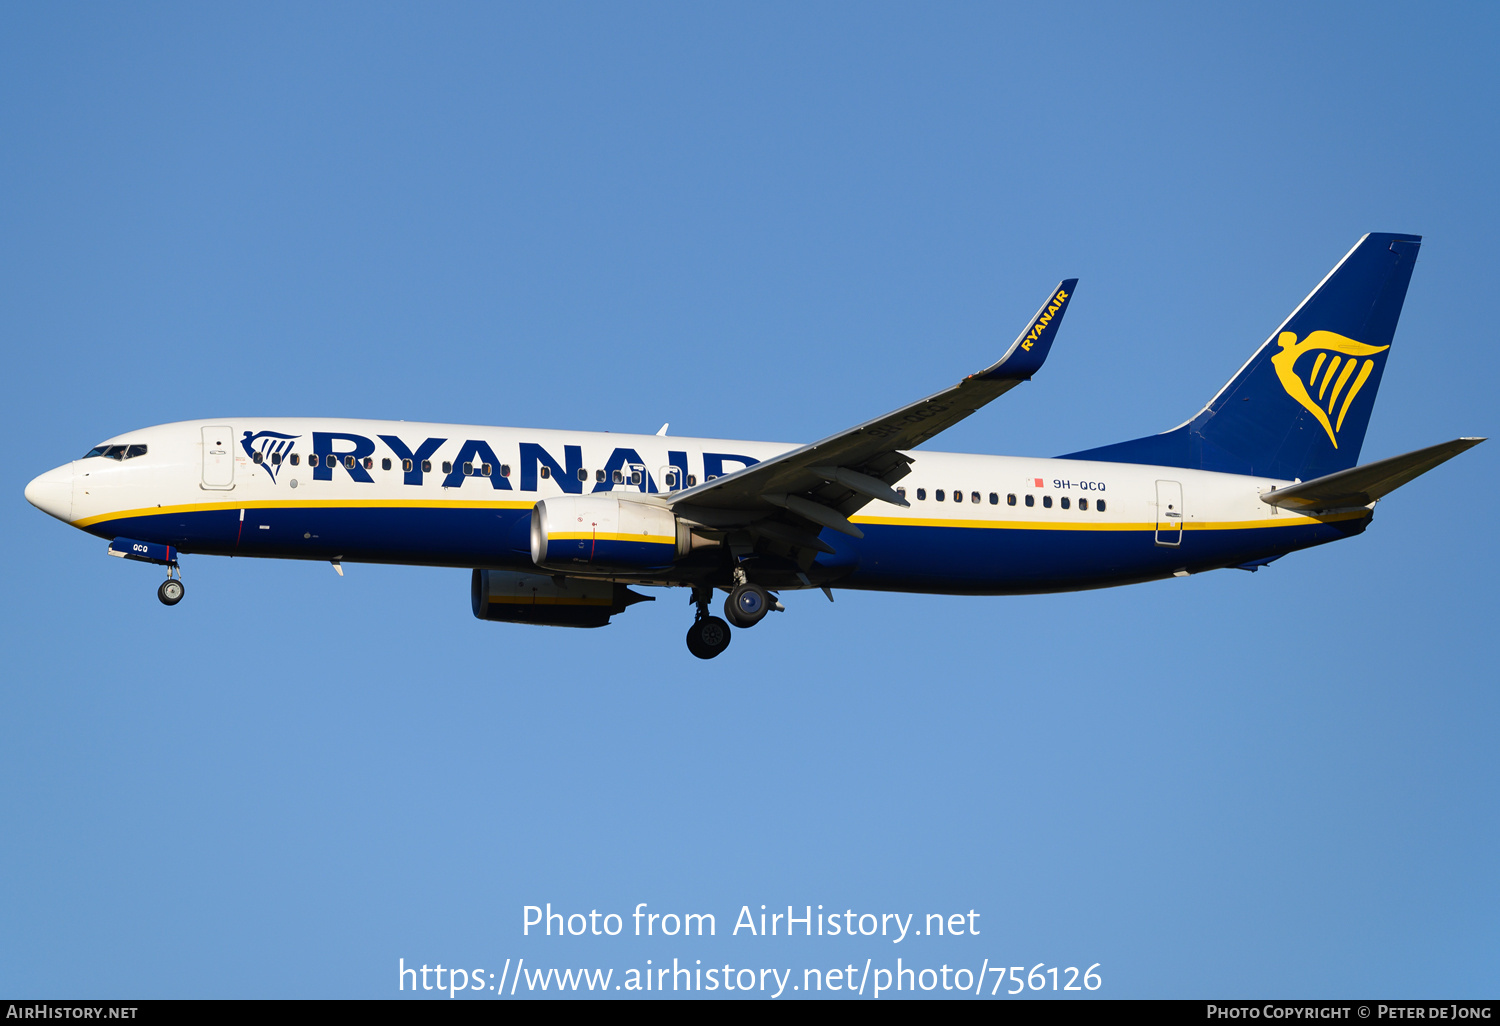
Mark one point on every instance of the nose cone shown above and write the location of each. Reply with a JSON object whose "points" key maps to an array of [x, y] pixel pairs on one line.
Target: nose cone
{"points": [[52, 493]]}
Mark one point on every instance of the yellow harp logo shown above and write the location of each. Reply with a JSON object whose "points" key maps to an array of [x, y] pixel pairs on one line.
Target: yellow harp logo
{"points": [[1337, 371]]}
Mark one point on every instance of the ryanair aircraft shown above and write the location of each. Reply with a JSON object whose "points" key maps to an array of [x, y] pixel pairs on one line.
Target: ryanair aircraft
{"points": [[558, 525]]}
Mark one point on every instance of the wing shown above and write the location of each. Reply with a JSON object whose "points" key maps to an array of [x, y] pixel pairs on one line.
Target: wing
{"points": [[823, 483]]}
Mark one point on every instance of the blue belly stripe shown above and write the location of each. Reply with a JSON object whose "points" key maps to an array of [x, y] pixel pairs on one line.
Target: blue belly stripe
{"points": [[961, 560]]}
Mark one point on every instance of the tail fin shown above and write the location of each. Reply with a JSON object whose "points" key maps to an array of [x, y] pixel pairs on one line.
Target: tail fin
{"points": [[1299, 408]]}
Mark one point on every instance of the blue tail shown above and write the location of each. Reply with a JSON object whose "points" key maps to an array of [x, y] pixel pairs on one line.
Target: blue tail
{"points": [[1300, 407]]}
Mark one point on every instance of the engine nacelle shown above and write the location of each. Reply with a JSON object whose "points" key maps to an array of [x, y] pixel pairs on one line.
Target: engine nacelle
{"points": [[510, 597], [603, 533]]}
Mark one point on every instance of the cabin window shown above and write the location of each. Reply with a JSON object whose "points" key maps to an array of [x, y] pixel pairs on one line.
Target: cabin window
{"points": [[921, 494], [958, 495], [635, 477], [1064, 501], [505, 470], [275, 459], [1083, 504], [296, 459], [1046, 502], [618, 477], [901, 492], [975, 497], [468, 470], [994, 499], [692, 480], [711, 477], [939, 495], [669, 479], [369, 463], [1031, 500], [257, 458], [599, 475], [583, 475], [486, 469], [447, 466], [312, 459], [406, 466], [426, 466], [1099, 505], [348, 462], [546, 473], [385, 463], [1010, 499]]}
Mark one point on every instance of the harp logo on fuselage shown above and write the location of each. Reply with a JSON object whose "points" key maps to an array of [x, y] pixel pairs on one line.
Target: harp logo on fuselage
{"points": [[1338, 360]]}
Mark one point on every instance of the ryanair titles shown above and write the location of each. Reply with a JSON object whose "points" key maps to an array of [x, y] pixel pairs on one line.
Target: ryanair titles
{"points": [[343, 453], [1053, 305]]}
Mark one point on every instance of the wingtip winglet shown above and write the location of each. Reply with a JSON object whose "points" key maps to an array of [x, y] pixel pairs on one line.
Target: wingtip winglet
{"points": [[1029, 351]]}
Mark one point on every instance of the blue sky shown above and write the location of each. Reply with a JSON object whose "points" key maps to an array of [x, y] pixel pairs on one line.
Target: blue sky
{"points": [[758, 221]]}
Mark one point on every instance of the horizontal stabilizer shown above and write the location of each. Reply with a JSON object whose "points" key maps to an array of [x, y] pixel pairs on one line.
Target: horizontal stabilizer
{"points": [[1360, 486]]}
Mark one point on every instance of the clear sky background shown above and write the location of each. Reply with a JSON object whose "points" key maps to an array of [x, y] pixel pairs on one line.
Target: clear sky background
{"points": [[753, 221]]}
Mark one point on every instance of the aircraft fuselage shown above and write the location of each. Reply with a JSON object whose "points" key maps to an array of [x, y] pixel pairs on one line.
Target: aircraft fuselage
{"points": [[976, 524]]}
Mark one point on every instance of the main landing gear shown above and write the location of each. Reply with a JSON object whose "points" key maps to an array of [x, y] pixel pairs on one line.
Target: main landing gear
{"points": [[746, 606], [708, 636]]}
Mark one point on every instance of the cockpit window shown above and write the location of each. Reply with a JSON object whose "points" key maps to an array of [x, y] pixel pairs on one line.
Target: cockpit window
{"points": [[116, 452]]}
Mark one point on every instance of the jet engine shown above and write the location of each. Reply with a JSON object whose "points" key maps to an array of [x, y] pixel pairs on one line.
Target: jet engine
{"points": [[603, 533], [510, 597]]}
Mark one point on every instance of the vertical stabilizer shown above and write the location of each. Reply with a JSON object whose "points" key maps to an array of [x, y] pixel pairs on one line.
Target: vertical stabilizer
{"points": [[1299, 408]]}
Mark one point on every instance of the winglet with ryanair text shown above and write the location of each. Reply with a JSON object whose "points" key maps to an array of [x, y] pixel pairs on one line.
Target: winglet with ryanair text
{"points": [[1029, 351]]}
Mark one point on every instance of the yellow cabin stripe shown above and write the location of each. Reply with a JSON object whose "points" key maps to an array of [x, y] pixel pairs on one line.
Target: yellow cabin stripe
{"points": [[1283, 520], [201, 507], [1286, 518]]}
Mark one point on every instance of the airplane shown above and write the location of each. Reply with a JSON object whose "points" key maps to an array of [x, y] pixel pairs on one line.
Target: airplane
{"points": [[557, 526]]}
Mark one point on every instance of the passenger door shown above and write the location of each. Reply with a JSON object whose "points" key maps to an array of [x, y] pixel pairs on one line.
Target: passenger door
{"points": [[1169, 513], [218, 458]]}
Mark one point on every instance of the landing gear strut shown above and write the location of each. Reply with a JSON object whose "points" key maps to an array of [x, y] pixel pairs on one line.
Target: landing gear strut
{"points": [[708, 636], [171, 590]]}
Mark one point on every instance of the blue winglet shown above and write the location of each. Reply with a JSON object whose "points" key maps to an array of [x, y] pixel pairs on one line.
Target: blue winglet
{"points": [[1029, 351]]}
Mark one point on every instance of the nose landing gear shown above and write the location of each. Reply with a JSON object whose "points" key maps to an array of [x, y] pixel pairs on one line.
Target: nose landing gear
{"points": [[171, 590]]}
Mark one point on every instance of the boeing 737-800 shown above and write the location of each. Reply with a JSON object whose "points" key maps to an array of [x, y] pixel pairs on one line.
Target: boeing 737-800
{"points": [[557, 526]]}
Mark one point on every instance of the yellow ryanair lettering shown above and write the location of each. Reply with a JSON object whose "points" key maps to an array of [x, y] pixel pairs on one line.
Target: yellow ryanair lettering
{"points": [[1041, 322], [1323, 343]]}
